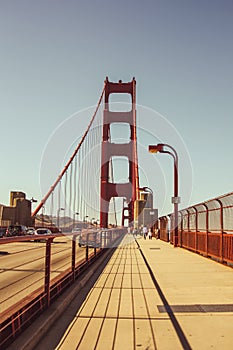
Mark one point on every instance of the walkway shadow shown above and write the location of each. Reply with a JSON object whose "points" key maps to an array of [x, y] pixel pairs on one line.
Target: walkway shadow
{"points": [[179, 331], [4, 253], [52, 339]]}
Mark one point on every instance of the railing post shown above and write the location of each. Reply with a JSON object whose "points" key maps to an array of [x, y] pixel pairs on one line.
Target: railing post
{"points": [[181, 228], [101, 239], [188, 234], [105, 239], [207, 226], [222, 229], [73, 255], [87, 243], [196, 227], [47, 271], [95, 243], [168, 232], [111, 238]]}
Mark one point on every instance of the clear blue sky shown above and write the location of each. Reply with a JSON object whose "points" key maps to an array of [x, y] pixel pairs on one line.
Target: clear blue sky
{"points": [[55, 56]]}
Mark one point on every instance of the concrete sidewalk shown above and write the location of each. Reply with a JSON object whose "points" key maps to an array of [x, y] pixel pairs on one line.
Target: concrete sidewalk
{"points": [[151, 296]]}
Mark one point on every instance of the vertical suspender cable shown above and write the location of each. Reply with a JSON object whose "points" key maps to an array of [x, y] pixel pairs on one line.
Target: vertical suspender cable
{"points": [[51, 209], [70, 199], [75, 189], [71, 159]]}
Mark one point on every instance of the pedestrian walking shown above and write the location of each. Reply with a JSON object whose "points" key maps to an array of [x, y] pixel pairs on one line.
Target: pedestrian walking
{"points": [[145, 231], [149, 234]]}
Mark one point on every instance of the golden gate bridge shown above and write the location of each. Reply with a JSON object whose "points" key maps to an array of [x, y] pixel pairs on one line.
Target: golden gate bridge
{"points": [[75, 190], [86, 187]]}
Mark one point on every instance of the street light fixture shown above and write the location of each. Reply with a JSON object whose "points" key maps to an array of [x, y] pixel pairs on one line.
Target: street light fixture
{"points": [[84, 219], [76, 213], [42, 213], [58, 216], [159, 148], [147, 190]]}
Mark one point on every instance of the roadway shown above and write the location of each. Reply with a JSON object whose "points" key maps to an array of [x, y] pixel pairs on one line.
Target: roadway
{"points": [[22, 267]]}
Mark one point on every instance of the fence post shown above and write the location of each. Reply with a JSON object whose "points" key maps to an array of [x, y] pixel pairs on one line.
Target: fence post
{"points": [[207, 226], [47, 271], [101, 239], [87, 243], [167, 229], [196, 227], [222, 230], [105, 239], [110, 240], [95, 243], [181, 228], [188, 226], [73, 255]]}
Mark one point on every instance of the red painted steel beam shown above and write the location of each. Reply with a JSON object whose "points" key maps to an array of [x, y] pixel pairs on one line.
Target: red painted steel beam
{"points": [[129, 150], [6, 240], [47, 270]]}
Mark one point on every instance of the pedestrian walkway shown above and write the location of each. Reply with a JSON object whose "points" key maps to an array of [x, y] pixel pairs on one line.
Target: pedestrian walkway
{"points": [[152, 296], [121, 310]]}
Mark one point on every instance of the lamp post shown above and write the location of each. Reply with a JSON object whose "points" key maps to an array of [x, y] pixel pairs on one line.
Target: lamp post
{"points": [[148, 190], [147, 205], [145, 188], [33, 200], [43, 209], [31, 220], [84, 219], [75, 213], [159, 148], [58, 216]]}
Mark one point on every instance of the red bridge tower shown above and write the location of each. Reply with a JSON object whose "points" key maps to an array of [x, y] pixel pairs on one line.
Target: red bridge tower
{"points": [[128, 190]]}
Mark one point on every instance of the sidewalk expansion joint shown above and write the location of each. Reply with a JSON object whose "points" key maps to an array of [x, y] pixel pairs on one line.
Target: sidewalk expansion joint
{"points": [[204, 308]]}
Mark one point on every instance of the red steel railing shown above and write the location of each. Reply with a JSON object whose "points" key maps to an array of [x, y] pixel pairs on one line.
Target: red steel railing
{"points": [[205, 228], [19, 316]]}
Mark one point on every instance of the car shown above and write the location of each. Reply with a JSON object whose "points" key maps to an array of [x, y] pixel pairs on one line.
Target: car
{"points": [[2, 231], [77, 230], [16, 230], [43, 231], [91, 239], [31, 230]]}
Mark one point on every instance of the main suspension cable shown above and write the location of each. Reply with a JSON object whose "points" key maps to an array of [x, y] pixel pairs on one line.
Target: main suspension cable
{"points": [[43, 201]]}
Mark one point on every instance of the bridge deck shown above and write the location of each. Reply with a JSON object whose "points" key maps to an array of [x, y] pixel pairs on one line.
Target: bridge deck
{"points": [[151, 296]]}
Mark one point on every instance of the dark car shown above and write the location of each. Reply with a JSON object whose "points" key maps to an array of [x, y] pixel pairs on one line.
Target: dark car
{"points": [[42, 231], [16, 230], [2, 231]]}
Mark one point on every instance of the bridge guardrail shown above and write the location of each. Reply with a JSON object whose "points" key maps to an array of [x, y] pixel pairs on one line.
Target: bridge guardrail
{"points": [[19, 316], [205, 228]]}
